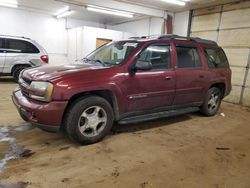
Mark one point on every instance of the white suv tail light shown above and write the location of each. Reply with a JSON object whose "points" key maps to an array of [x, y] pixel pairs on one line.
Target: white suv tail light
{"points": [[45, 58]]}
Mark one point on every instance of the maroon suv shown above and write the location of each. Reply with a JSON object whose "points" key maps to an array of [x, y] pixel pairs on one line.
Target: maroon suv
{"points": [[126, 81]]}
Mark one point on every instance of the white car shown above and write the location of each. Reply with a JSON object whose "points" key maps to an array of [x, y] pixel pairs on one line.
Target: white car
{"points": [[18, 53]]}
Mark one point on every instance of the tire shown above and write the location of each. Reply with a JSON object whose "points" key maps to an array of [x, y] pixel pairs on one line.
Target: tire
{"points": [[212, 102], [89, 119], [17, 72]]}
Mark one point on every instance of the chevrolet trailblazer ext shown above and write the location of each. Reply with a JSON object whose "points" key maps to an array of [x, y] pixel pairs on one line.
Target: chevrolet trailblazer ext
{"points": [[126, 81]]}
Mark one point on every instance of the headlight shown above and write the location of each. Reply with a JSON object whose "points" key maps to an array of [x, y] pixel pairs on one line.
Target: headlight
{"points": [[42, 91]]}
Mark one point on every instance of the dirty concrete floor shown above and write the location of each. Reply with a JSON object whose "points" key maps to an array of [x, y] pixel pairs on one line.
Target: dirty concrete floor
{"points": [[186, 151]]}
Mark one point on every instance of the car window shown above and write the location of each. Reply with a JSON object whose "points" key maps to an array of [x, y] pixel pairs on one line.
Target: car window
{"points": [[158, 55], [113, 54], [20, 46], [1, 43], [216, 58], [187, 57]]}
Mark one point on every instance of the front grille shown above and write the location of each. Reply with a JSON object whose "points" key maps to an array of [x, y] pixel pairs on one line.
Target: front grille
{"points": [[26, 81], [25, 93], [24, 85]]}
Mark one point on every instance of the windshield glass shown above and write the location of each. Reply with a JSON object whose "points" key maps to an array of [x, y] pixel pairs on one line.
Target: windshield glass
{"points": [[112, 54]]}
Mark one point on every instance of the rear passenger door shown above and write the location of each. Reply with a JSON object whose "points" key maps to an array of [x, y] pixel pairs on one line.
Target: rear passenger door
{"points": [[190, 75], [2, 54]]}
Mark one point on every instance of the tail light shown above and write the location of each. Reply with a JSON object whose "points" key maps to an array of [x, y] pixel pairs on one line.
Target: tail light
{"points": [[45, 58]]}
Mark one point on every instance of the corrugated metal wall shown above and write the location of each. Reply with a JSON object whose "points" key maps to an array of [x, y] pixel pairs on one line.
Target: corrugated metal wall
{"points": [[229, 25]]}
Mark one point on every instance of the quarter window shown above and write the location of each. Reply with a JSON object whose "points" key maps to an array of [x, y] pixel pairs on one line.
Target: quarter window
{"points": [[20, 46], [158, 55], [187, 57], [216, 58]]}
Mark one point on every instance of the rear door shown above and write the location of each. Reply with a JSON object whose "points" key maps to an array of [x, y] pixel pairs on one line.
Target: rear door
{"points": [[2, 54], [190, 74], [18, 51], [147, 90]]}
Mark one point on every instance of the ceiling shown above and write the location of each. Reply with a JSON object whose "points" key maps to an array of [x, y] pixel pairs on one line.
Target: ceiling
{"points": [[190, 4], [141, 8]]}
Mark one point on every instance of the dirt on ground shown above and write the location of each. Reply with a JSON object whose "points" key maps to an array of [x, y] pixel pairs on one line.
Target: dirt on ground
{"points": [[188, 151]]}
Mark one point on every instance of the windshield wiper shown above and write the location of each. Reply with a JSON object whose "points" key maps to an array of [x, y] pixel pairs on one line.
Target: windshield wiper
{"points": [[104, 63]]}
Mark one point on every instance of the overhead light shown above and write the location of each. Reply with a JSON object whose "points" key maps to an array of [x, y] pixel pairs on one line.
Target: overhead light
{"points": [[9, 3], [110, 11], [176, 2], [63, 12]]}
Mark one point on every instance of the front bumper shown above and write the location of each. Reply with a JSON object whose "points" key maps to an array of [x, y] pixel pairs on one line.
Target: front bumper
{"points": [[47, 116]]}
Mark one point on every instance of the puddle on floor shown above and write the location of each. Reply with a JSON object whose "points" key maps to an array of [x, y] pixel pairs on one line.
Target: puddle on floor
{"points": [[15, 151], [14, 185]]}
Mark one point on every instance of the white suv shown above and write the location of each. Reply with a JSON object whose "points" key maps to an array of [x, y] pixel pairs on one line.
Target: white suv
{"points": [[18, 53]]}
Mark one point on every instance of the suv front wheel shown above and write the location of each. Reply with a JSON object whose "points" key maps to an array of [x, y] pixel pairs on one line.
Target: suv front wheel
{"points": [[89, 119], [212, 102]]}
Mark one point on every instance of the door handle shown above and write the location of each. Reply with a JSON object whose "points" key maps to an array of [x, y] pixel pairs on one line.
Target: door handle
{"points": [[168, 77], [201, 76]]}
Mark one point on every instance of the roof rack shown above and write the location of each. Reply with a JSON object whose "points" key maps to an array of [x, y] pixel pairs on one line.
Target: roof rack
{"points": [[145, 37], [172, 36], [196, 39], [14, 36]]}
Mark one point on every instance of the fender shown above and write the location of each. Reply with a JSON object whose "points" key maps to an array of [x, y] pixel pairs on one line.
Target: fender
{"points": [[23, 63]]}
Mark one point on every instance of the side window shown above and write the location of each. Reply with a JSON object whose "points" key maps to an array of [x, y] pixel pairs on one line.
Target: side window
{"points": [[187, 57], [158, 55], [216, 58], [20, 46], [1, 42]]}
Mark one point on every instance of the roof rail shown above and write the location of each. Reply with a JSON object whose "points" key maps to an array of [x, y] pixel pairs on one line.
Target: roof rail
{"points": [[146, 37], [196, 39], [15, 36]]}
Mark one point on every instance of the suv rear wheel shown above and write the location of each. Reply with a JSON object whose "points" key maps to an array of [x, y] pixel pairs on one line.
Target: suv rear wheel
{"points": [[212, 102], [16, 72], [89, 119]]}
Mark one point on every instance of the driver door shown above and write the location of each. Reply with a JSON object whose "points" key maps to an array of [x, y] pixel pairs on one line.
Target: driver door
{"points": [[154, 88]]}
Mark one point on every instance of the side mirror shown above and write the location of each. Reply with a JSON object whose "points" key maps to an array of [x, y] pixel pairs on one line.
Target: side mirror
{"points": [[143, 65]]}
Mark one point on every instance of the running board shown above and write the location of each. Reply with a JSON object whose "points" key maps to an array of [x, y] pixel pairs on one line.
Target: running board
{"points": [[157, 115]]}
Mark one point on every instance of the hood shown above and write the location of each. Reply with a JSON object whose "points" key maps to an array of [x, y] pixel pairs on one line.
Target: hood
{"points": [[48, 72]]}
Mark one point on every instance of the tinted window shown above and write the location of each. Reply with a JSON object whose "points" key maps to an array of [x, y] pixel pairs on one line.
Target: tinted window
{"points": [[19, 46], [1, 42], [158, 55], [187, 57], [216, 57]]}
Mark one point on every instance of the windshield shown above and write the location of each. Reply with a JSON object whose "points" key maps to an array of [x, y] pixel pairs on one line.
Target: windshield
{"points": [[111, 54]]}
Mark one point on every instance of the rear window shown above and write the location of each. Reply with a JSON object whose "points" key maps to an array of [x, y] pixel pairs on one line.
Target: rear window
{"points": [[216, 58], [188, 57], [20, 46], [1, 42]]}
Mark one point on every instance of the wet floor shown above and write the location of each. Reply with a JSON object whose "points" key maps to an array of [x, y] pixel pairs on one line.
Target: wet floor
{"points": [[15, 151]]}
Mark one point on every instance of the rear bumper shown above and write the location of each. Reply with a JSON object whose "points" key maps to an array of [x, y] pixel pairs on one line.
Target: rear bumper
{"points": [[47, 116]]}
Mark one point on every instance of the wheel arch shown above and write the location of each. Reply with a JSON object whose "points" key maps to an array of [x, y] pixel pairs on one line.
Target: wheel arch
{"points": [[104, 93], [221, 86], [19, 65]]}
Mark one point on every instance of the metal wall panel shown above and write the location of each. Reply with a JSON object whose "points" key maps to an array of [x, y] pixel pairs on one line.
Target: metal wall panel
{"points": [[235, 19], [237, 56], [246, 97], [205, 22], [234, 96], [234, 38], [238, 75], [211, 35]]}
